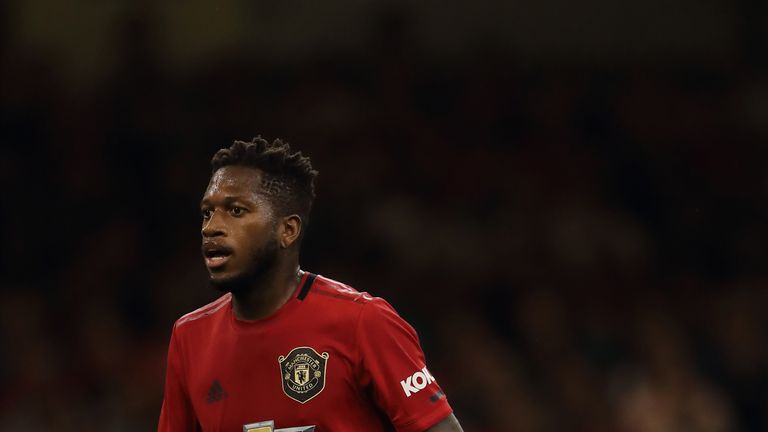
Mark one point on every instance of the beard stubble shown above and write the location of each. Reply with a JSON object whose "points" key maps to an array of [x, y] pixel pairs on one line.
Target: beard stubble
{"points": [[262, 261]]}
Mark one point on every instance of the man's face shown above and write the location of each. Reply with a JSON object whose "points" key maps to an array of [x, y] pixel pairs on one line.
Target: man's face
{"points": [[239, 229]]}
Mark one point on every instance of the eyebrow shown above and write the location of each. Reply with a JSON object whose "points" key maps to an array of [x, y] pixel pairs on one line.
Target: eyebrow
{"points": [[227, 200]]}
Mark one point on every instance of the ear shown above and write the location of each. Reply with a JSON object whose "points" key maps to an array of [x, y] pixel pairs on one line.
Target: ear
{"points": [[289, 230]]}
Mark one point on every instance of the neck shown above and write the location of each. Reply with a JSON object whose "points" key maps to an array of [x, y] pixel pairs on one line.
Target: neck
{"points": [[267, 294]]}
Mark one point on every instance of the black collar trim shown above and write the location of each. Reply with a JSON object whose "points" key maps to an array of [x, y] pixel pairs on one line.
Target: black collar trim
{"points": [[307, 285]]}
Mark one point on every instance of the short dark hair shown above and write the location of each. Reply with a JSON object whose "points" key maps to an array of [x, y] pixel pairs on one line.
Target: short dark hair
{"points": [[288, 177]]}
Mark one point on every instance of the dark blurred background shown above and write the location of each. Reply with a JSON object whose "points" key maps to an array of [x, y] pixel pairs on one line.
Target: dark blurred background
{"points": [[566, 199]]}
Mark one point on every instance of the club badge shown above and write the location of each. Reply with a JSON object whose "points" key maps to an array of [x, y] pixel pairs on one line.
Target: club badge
{"points": [[303, 373]]}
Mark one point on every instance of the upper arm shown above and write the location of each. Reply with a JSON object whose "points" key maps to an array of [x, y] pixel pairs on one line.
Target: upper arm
{"points": [[393, 367], [448, 424]]}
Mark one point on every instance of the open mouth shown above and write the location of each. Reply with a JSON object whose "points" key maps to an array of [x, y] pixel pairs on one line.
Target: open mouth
{"points": [[216, 256]]}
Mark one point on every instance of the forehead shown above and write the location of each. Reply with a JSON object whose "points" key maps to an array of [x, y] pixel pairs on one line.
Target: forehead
{"points": [[235, 180]]}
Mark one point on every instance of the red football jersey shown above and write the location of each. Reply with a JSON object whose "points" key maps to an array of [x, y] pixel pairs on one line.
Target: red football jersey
{"points": [[331, 357]]}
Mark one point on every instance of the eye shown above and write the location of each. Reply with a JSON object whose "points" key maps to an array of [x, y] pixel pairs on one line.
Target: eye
{"points": [[205, 213], [236, 211]]}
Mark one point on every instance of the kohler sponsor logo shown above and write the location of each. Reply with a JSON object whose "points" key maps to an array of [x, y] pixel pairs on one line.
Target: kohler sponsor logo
{"points": [[417, 381]]}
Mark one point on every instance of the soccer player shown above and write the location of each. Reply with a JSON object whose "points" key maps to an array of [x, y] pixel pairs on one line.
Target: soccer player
{"points": [[281, 344]]}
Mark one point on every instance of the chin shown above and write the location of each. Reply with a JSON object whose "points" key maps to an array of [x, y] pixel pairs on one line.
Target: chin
{"points": [[229, 283], [262, 262]]}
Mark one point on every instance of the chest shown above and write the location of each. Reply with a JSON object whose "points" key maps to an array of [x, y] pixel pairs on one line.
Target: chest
{"points": [[295, 375]]}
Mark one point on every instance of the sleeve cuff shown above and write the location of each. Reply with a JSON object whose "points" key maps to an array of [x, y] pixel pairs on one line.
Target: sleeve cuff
{"points": [[425, 422]]}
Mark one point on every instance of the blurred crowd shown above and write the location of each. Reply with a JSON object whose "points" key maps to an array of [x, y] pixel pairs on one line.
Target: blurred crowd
{"points": [[581, 248]]}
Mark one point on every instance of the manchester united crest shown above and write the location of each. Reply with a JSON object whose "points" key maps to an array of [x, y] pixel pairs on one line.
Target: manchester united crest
{"points": [[303, 373]]}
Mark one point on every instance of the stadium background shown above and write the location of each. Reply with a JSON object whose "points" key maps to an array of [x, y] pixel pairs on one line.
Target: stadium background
{"points": [[566, 199]]}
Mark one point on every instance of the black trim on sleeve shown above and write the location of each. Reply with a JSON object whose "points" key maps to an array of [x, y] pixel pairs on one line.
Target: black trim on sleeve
{"points": [[437, 396], [307, 285]]}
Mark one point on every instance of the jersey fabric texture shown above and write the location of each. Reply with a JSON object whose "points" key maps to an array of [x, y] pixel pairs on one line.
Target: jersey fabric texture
{"points": [[331, 357]]}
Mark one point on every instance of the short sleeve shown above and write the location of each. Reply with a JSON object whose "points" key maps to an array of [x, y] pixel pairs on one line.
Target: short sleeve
{"points": [[392, 367]]}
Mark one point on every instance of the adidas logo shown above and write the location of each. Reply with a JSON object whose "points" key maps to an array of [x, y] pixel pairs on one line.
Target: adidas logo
{"points": [[216, 393]]}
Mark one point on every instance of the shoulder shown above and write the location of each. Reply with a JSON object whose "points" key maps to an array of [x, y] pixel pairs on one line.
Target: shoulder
{"points": [[345, 300], [371, 312], [204, 313], [335, 290]]}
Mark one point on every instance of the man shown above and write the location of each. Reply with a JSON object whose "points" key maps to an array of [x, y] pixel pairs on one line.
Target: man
{"points": [[283, 346]]}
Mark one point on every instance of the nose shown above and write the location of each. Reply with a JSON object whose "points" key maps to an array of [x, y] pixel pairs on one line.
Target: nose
{"points": [[213, 226]]}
